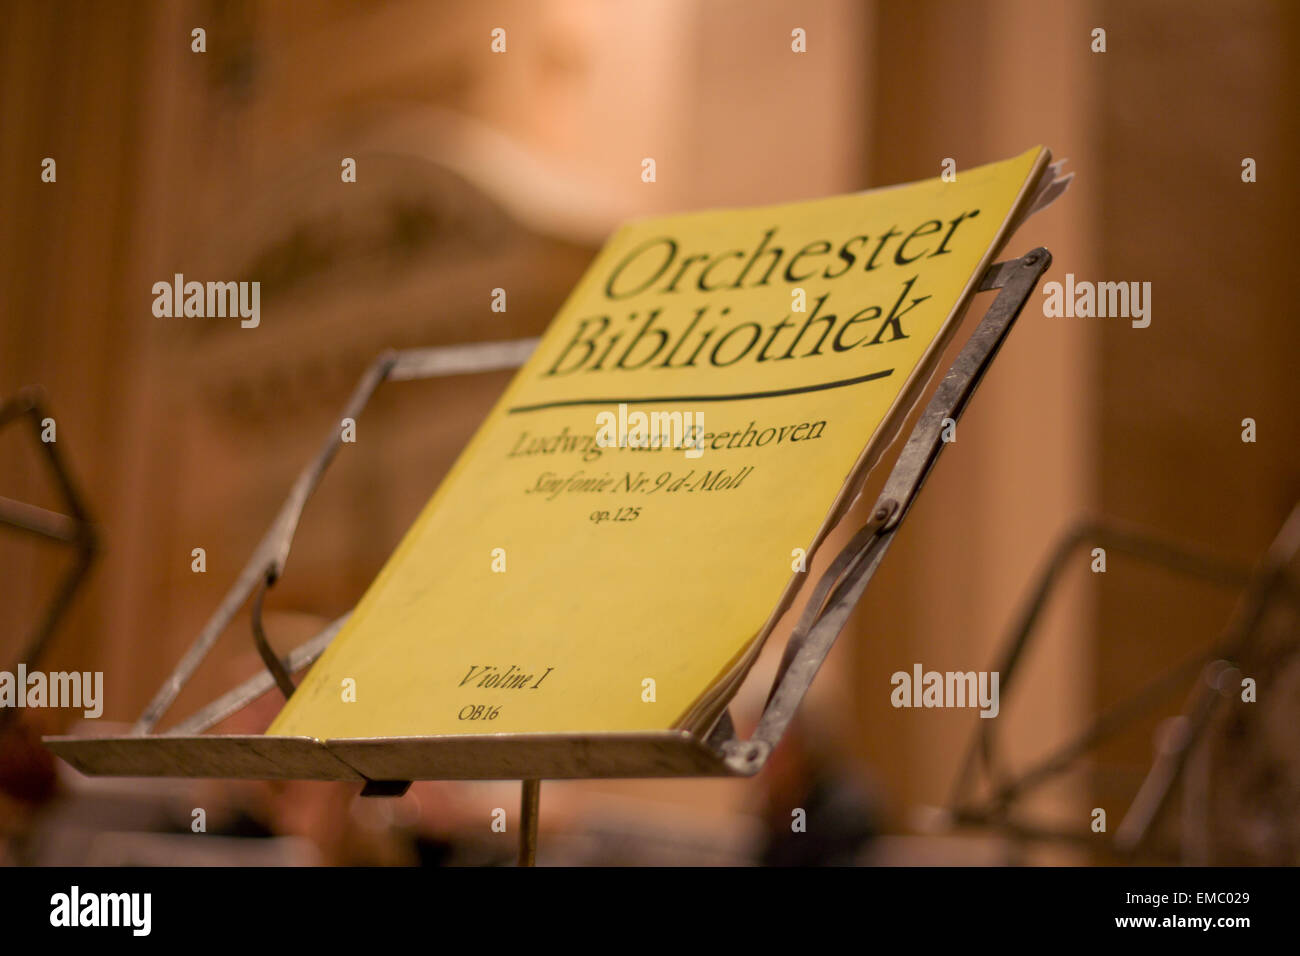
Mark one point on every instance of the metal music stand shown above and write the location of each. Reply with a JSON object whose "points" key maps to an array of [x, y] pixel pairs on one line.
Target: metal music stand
{"points": [[1260, 588], [73, 529], [386, 766]]}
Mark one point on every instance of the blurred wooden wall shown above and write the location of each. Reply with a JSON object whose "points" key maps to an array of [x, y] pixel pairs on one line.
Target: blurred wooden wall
{"points": [[1186, 94], [976, 82], [1091, 416], [71, 88]]}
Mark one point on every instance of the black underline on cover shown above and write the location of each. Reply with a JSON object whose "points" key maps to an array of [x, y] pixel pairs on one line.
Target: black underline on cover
{"points": [[739, 396]]}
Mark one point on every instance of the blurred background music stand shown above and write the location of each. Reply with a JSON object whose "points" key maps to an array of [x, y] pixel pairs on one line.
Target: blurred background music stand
{"points": [[1263, 628]]}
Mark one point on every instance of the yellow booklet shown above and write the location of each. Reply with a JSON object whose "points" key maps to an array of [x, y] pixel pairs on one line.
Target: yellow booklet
{"points": [[613, 545]]}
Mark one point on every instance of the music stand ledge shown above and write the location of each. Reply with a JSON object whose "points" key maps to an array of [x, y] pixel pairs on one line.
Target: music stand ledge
{"points": [[387, 765]]}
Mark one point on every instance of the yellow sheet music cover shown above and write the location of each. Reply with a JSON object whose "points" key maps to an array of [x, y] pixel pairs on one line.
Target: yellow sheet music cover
{"points": [[613, 542]]}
